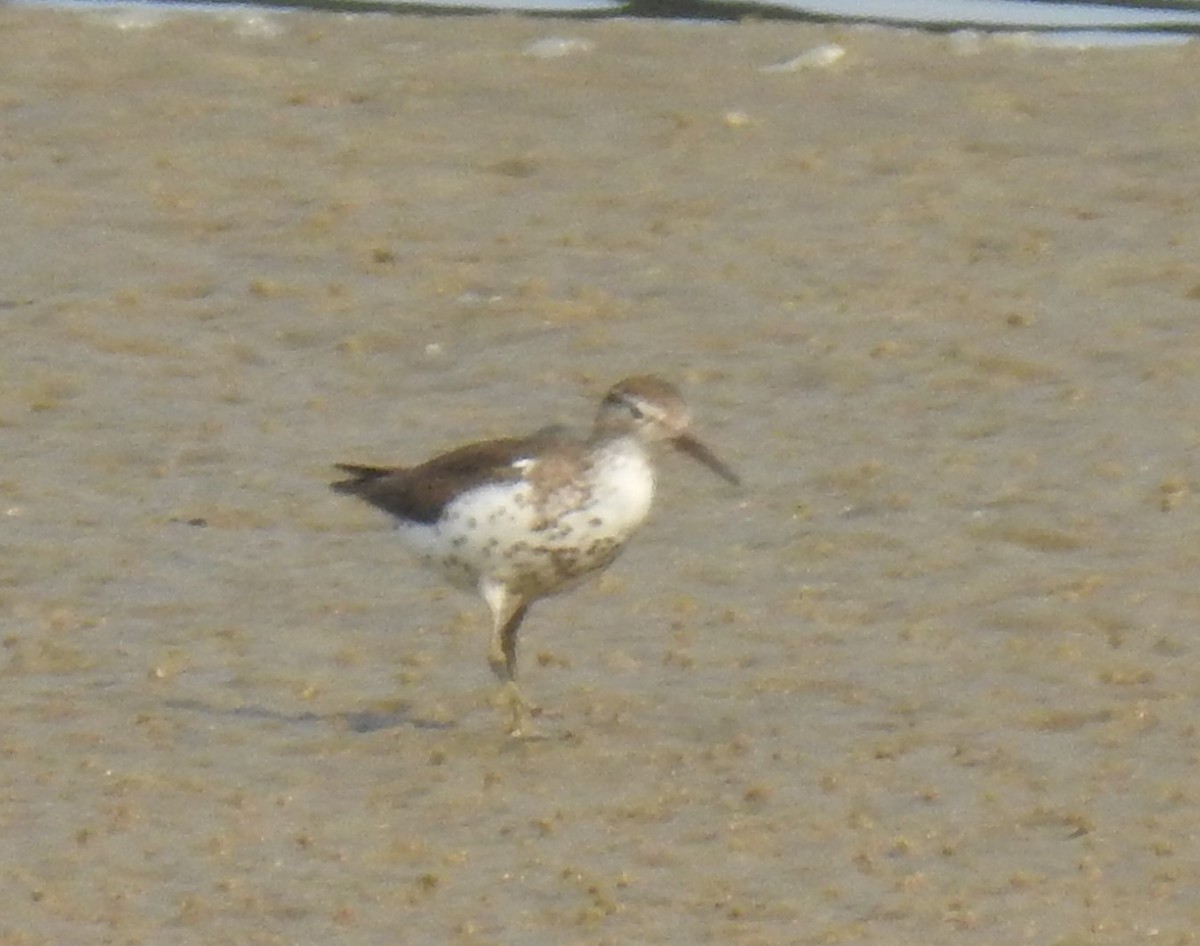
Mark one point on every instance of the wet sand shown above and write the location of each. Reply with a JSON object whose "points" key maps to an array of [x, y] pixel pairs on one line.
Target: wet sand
{"points": [[930, 678]]}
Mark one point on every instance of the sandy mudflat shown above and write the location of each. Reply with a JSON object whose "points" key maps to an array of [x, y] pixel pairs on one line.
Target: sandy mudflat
{"points": [[932, 678]]}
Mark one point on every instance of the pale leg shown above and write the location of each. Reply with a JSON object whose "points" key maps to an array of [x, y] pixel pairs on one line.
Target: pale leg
{"points": [[508, 611]]}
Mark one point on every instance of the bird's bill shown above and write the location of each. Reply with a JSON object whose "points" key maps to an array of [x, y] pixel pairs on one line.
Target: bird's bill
{"points": [[688, 444]]}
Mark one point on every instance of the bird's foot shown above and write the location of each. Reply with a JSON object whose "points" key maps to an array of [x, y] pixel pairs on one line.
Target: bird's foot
{"points": [[521, 709]]}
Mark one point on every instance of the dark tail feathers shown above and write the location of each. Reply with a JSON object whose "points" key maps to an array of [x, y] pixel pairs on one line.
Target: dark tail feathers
{"points": [[360, 476]]}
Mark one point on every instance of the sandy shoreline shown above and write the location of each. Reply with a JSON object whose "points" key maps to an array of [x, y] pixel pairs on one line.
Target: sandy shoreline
{"points": [[931, 678]]}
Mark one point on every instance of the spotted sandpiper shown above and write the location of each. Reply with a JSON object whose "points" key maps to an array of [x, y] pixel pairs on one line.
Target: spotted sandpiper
{"points": [[522, 518]]}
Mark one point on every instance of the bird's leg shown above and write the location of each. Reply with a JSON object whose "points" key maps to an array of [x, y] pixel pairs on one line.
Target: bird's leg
{"points": [[507, 646], [506, 642], [508, 611]]}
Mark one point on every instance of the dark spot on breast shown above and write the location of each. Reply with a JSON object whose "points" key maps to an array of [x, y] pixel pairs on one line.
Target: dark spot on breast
{"points": [[601, 547]]}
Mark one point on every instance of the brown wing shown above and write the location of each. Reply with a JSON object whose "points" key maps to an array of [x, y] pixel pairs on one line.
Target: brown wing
{"points": [[420, 493]]}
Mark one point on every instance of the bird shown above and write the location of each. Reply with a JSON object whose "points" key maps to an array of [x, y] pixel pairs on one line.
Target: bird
{"points": [[522, 518]]}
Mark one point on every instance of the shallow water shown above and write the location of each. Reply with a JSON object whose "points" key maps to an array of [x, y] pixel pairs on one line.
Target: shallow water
{"points": [[930, 678]]}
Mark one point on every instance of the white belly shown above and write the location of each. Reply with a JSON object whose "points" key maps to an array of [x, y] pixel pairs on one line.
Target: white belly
{"points": [[539, 544]]}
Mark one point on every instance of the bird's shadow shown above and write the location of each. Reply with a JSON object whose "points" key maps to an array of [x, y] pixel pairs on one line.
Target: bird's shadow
{"points": [[359, 721]]}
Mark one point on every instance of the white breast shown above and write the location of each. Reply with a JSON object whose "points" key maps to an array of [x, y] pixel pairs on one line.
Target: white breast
{"points": [[622, 486]]}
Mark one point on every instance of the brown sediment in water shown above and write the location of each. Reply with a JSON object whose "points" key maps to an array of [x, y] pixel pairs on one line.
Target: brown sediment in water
{"points": [[930, 678]]}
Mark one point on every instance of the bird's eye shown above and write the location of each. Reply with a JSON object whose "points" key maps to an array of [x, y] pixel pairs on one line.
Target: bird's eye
{"points": [[636, 411]]}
